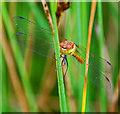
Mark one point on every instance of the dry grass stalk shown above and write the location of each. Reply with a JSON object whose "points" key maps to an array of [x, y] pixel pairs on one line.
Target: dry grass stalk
{"points": [[13, 73]]}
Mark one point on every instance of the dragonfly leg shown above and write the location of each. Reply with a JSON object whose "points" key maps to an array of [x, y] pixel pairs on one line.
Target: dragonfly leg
{"points": [[62, 63], [67, 66]]}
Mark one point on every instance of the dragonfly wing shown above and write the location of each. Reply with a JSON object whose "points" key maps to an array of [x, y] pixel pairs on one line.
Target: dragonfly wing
{"points": [[35, 38], [99, 68], [98, 61], [34, 44], [28, 27], [99, 78]]}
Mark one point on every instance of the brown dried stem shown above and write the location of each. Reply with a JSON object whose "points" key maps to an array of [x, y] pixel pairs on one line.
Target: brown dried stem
{"points": [[13, 73], [47, 12], [92, 14]]}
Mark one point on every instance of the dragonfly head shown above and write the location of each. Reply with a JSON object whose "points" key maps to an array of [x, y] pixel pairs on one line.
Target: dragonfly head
{"points": [[67, 48]]}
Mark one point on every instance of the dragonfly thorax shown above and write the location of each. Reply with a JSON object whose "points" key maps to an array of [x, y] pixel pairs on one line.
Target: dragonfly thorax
{"points": [[67, 47]]}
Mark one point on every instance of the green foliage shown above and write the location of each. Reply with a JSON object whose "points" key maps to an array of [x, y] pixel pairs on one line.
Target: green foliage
{"points": [[38, 77]]}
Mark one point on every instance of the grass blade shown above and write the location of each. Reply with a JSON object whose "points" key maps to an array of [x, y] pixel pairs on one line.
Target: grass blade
{"points": [[101, 41], [18, 57], [61, 89]]}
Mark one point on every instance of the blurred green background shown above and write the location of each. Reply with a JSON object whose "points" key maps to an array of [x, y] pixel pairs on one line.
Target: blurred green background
{"points": [[29, 83]]}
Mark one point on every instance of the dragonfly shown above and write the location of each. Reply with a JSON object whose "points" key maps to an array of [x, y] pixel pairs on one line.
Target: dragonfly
{"points": [[41, 40]]}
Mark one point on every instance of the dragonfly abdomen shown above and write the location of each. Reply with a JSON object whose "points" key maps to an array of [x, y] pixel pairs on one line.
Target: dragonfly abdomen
{"points": [[78, 58]]}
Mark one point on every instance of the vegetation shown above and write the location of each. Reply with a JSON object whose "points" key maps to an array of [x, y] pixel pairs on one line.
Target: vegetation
{"points": [[34, 83]]}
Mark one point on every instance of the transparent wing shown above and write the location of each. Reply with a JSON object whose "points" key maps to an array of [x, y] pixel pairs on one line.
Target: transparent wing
{"points": [[33, 37], [99, 68], [28, 27]]}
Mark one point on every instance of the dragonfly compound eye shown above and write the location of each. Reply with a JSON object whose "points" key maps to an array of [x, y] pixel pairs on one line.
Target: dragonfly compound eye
{"points": [[68, 46]]}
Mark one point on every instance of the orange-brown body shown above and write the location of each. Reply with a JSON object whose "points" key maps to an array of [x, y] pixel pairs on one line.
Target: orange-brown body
{"points": [[78, 58]]}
